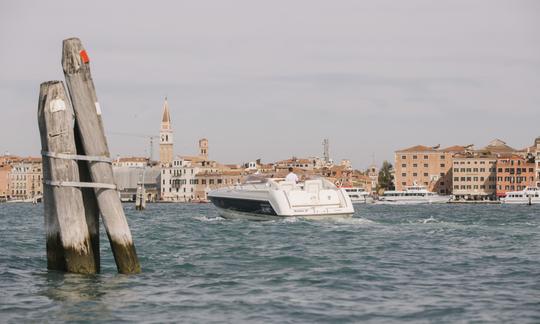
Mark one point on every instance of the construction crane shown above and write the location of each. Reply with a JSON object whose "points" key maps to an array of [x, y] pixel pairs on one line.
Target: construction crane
{"points": [[149, 137]]}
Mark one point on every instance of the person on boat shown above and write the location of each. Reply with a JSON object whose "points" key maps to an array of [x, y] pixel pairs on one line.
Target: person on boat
{"points": [[291, 176]]}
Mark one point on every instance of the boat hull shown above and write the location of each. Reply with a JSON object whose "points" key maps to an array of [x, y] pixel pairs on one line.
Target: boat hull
{"points": [[412, 201], [521, 201], [235, 214], [357, 201]]}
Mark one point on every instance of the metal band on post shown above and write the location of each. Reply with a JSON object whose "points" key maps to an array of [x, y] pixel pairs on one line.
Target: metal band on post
{"points": [[76, 157], [78, 184]]}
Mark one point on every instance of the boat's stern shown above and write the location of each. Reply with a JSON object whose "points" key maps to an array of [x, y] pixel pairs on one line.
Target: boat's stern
{"points": [[317, 198]]}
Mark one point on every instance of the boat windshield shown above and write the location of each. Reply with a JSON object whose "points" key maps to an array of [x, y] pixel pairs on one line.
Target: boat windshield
{"points": [[255, 178], [326, 184]]}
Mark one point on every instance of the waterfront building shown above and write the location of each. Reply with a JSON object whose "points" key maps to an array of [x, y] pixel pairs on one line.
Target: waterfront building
{"points": [[537, 161], [209, 179], [474, 175], [514, 173], [426, 166], [131, 162], [178, 180], [5, 171], [25, 179], [308, 164], [128, 178], [166, 137]]}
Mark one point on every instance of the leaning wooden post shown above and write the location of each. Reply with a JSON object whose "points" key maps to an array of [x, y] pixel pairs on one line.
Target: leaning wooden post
{"points": [[65, 223], [91, 207], [76, 67]]}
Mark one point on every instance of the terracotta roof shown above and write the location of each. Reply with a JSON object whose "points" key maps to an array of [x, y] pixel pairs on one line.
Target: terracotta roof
{"points": [[475, 155], [498, 146], [132, 159], [418, 148], [454, 148]]}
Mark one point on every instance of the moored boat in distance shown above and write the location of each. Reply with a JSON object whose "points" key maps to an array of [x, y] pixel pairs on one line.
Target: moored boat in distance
{"points": [[359, 195], [528, 196], [412, 195], [260, 198]]}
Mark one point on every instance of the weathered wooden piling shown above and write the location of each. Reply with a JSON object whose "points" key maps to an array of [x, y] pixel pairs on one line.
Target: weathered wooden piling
{"points": [[75, 63], [140, 197], [91, 208], [68, 240]]}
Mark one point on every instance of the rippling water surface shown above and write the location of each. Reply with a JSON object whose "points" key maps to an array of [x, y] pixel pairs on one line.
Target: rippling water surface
{"points": [[440, 263]]}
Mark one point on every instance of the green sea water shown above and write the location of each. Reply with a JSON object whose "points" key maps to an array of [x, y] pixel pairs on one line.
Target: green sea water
{"points": [[429, 263]]}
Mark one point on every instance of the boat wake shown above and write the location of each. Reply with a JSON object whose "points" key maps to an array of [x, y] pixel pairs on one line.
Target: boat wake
{"points": [[210, 219]]}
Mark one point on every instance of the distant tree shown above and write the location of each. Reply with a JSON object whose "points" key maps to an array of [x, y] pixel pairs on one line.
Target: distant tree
{"points": [[386, 180]]}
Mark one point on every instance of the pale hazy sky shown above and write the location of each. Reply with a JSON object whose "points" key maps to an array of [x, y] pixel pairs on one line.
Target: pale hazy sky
{"points": [[269, 79]]}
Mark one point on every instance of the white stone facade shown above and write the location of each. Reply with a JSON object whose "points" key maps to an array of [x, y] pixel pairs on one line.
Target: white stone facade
{"points": [[178, 181]]}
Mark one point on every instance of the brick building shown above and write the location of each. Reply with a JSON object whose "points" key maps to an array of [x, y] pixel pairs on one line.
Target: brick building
{"points": [[474, 175], [213, 179], [426, 166], [514, 173]]}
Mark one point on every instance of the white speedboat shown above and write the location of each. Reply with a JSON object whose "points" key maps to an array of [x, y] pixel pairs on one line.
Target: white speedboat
{"points": [[528, 196], [412, 195], [261, 198], [358, 195]]}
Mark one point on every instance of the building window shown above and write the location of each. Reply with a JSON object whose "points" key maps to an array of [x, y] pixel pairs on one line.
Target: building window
{"points": [[425, 157], [414, 157]]}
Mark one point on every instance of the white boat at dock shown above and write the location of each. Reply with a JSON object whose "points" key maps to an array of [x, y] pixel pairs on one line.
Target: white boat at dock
{"points": [[528, 196], [260, 198], [412, 195]]}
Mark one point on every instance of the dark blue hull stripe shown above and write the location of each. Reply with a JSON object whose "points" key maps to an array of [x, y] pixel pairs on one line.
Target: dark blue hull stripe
{"points": [[244, 205]]}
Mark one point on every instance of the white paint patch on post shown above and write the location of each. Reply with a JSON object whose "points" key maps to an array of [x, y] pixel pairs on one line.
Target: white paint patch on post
{"points": [[98, 108]]}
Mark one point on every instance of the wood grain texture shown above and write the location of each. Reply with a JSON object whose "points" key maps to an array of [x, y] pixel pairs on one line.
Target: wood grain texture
{"points": [[91, 208], [90, 124], [68, 239]]}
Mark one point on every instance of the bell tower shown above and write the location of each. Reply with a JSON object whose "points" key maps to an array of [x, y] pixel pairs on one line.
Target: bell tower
{"points": [[203, 148], [166, 137]]}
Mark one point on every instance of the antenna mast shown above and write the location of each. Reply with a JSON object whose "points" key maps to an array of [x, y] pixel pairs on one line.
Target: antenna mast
{"points": [[326, 150]]}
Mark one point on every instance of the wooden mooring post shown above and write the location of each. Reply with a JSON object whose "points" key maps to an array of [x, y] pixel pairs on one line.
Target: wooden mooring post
{"points": [[69, 246], [75, 63], [91, 208]]}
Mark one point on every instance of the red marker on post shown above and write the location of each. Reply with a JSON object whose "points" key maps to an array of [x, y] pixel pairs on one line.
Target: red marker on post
{"points": [[84, 56]]}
